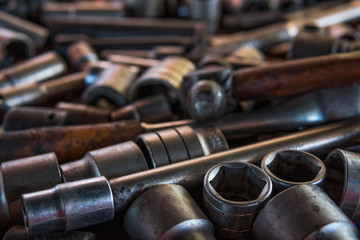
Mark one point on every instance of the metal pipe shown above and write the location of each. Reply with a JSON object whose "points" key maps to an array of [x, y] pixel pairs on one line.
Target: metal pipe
{"points": [[296, 76]]}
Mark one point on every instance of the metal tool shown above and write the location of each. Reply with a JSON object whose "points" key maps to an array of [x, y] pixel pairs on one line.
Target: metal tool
{"points": [[24, 176], [207, 92], [84, 114], [19, 118], [152, 109], [71, 205], [288, 168], [190, 173], [129, 27], [342, 181], [34, 70], [309, 45], [20, 233], [43, 94], [111, 89], [265, 37], [233, 194], [81, 54], [69, 143], [179, 144], [315, 215], [36, 32], [167, 75], [167, 212], [91, 9], [14, 46], [296, 76]]}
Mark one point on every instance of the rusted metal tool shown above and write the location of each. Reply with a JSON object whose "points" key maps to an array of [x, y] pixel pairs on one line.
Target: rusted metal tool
{"points": [[69, 143], [296, 76]]}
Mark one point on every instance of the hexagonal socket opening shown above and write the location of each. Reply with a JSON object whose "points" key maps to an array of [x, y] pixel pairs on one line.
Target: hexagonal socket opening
{"points": [[238, 183], [294, 166]]}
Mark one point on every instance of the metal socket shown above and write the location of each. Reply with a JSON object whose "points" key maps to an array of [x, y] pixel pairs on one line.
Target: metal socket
{"points": [[112, 87], [24, 175], [68, 206], [178, 144], [167, 212], [84, 114], [112, 161], [19, 118], [167, 75], [342, 182], [14, 46], [233, 195], [81, 54], [41, 94], [288, 168], [34, 70], [152, 109], [310, 45], [302, 212], [34, 31]]}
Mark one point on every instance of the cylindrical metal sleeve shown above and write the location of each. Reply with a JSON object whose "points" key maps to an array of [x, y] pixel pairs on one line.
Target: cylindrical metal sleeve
{"points": [[37, 69], [165, 211], [151, 109], [342, 182], [296, 76], [233, 194], [288, 168], [119, 160], [69, 143], [83, 114], [80, 54], [20, 118], [302, 212], [68, 206], [112, 85], [24, 176]]}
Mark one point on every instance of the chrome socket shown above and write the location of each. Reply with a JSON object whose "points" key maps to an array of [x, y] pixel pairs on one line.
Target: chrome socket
{"points": [[68, 206], [342, 182], [288, 168], [234, 193], [302, 212], [167, 212], [24, 175]]}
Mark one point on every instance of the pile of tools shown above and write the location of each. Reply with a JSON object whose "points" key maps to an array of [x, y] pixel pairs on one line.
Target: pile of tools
{"points": [[179, 119]]}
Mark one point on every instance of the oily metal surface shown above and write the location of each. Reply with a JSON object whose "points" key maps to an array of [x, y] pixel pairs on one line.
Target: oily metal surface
{"points": [[318, 141], [69, 143]]}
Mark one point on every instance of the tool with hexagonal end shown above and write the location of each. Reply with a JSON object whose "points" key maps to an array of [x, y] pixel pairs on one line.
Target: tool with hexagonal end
{"points": [[190, 173]]}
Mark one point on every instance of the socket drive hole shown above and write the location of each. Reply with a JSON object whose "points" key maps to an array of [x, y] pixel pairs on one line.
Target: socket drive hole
{"points": [[51, 116], [237, 183], [294, 166]]}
